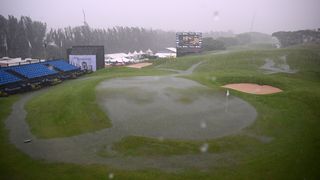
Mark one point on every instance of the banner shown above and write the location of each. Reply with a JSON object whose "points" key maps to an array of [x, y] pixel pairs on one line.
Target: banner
{"points": [[85, 62]]}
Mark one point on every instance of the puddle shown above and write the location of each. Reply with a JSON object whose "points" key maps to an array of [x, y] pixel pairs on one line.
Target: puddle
{"points": [[271, 67], [172, 107]]}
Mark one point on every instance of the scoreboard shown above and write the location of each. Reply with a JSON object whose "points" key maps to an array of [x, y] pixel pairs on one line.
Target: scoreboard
{"points": [[188, 42], [87, 57]]}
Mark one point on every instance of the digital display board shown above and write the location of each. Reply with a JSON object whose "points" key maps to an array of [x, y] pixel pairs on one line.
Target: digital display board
{"points": [[88, 57], [189, 40], [85, 62]]}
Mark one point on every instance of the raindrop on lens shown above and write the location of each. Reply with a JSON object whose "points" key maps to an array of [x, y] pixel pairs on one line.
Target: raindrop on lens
{"points": [[204, 147], [111, 175], [160, 138], [203, 125], [216, 16]]}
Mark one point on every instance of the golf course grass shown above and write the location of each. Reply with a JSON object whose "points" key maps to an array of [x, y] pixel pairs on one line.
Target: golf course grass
{"points": [[282, 143], [70, 109]]}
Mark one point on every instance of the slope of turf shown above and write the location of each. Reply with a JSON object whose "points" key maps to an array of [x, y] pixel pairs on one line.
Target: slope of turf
{"points": [[70, 108], [289, 119], [16, 165]]}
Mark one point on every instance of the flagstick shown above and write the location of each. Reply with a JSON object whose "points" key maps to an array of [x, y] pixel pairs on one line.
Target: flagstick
{"points": [[227, 100]]}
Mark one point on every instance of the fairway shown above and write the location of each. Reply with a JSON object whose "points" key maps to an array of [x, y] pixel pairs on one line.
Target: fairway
{"points": [[162, 107], [171, 120]]}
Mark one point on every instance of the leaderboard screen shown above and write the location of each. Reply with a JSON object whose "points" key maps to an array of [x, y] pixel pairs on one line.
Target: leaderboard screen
{"points": [[188, 40]]}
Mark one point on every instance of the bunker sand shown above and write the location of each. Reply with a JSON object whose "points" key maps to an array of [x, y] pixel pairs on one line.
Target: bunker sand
{"points": [[139, 65], [253, 88]]}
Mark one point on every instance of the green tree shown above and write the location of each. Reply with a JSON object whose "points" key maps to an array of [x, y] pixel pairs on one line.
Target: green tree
{"points": [[210, 44]]}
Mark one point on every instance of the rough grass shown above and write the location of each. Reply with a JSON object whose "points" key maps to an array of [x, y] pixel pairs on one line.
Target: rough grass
{"points": [[143, 146], [290, 119], [66, 110]]}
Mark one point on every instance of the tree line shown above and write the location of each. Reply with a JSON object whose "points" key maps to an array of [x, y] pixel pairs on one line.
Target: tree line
{"points": [[27, 38], [21, 38], [290, 38], [224, 41]]}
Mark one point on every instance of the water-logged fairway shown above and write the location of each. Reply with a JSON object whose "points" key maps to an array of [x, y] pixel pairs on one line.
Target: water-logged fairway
{"points": [[171, 107], [165, 107], [281, 143]]}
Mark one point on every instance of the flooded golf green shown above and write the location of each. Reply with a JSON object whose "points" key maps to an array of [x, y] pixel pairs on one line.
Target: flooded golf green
{"points": [[172, 107], [162, 107]]}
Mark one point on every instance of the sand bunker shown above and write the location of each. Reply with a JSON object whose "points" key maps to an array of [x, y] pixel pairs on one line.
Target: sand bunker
{"points": [[253, 88], [139, 65]]}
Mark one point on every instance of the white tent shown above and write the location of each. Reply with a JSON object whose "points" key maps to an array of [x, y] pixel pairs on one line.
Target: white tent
{"points": [[166, 55], [5, 58], [113, 60], [118, 58], [115, 55], [172, 49], [149, 52], [125, 60]]}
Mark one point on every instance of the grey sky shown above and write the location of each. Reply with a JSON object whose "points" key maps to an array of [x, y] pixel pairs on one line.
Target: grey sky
{"points": [[178, 15]]}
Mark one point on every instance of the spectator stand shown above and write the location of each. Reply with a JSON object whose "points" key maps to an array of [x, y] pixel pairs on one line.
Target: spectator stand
{"points": [[21, 78]]}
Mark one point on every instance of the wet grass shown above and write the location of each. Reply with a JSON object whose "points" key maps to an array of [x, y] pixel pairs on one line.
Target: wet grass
{"points": [[70, 108], [66, 110], [16, 165], [143, 146], [135, 95], [179, 63], [290, 119]]}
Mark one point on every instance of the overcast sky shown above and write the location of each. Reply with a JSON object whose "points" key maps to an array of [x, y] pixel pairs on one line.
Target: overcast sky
{"points": [[179, 15]]}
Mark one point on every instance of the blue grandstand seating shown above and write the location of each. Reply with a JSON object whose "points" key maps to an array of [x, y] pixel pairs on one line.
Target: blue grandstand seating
{"points": [[37, 70], [6, 78], [33, 70], [62, 65], [25, 77]]}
